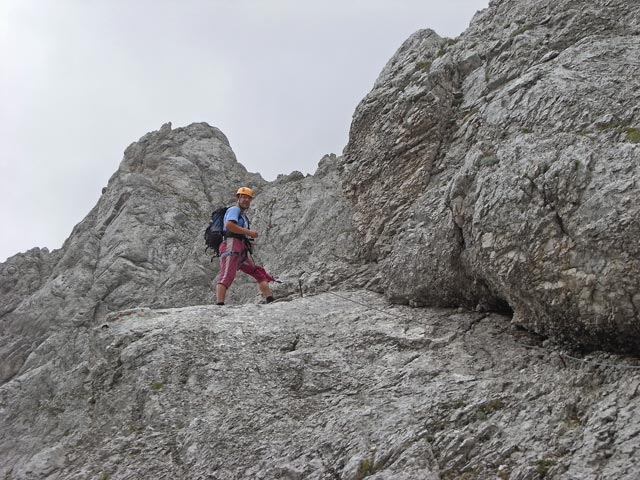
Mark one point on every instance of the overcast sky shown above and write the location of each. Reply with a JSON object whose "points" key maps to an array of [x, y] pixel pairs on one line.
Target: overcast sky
{"points": [[82, 79]]}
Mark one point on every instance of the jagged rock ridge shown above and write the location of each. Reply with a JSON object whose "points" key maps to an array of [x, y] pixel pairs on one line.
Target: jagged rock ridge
{"points": [[140, 245]]}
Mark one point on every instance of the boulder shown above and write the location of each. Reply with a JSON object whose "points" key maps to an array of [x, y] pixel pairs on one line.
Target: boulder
{"points": [[499, 169]]}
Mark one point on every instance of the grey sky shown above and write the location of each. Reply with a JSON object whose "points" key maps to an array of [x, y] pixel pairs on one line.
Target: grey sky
{"points": [[81, 80]]}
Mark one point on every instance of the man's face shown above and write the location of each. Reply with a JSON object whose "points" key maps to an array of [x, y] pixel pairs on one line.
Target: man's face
{"points": [[244, 201]]}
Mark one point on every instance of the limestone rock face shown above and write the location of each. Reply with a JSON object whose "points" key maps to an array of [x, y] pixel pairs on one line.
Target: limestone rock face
{"points": [[307, 234], [337, 385], [141, 245], [500, 169], [21, 276], [496, 173]]}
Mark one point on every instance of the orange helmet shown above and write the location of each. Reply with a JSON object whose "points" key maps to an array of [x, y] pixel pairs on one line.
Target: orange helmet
{"points": [[245, 191]]}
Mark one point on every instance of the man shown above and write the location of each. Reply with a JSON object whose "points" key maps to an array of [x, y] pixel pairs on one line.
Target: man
{"points": [[235, 249]]}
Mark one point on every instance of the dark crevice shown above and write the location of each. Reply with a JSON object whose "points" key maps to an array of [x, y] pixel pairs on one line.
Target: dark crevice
{"points": [[548, 203], [561, 224], [502, 307], [9, 311], [115, 212], [491, 301], [459, 234]]}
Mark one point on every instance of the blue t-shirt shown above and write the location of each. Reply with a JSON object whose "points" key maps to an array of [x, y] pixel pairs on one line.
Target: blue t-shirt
{"points": [[235, 215]]}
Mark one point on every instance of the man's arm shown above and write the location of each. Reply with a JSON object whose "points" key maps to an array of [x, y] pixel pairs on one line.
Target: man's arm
{"points": [[233, 227]]}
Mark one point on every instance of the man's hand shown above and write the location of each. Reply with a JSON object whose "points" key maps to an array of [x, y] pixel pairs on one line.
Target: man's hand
{"points": [[252, 233]]}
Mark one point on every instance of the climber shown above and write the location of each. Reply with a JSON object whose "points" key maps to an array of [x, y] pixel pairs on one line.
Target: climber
{"points": [[236, 247]]}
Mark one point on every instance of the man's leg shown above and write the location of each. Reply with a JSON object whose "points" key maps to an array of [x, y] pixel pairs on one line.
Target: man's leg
{"points": [[265, 290], [228, 268], [248, 267], [221, 293]]}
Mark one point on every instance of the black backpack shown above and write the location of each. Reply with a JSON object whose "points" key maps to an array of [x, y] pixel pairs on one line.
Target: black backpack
{"points": [[213, 234]]}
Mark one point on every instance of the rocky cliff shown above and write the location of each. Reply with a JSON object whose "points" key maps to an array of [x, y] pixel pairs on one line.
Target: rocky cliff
{"points": [[140, 245], [501, 168], [495, 173]]}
